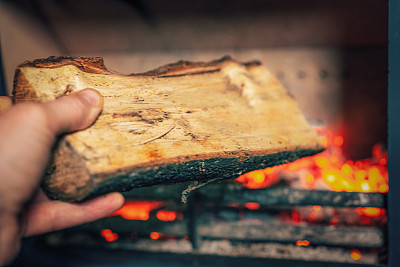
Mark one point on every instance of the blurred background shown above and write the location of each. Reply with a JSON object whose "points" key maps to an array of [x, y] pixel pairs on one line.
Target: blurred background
{"points": [[330, 55]]}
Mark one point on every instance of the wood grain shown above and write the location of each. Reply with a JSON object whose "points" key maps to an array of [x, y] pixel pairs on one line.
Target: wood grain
{"points": [[184, 121]]}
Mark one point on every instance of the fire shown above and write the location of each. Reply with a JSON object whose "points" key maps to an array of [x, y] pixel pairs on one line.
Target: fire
{"points": [[108, 235], [371, 212], [302, 243], [137, 210], [259, 178], [338, 140], [252, 206], [355, 254], [328, 170], [154, 235], [164, 215]]}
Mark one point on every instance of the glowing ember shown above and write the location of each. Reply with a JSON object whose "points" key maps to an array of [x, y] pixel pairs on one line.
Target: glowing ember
{"points": [[338, 140], [154, 235], [252, 206], [137, 210], [259, 178], [303, 243], [371, 212], [108, 235], [328, 170], [164, 215], [355, 254]]}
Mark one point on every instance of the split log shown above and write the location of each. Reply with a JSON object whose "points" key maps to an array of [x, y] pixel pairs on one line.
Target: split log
{"points": [[181, 122]]}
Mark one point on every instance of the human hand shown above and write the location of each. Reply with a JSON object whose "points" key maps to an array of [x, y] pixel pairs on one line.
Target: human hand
{"points": [[27, 134]]}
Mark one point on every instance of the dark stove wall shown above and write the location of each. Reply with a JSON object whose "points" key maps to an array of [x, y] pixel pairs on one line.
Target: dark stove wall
{"points": [[394, 133]]}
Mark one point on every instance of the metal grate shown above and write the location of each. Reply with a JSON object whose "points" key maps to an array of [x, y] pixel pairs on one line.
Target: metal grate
{"points": [[217, 222]]}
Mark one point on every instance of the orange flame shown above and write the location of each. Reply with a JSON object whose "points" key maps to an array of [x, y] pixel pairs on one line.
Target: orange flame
{"points": [[355, 254], [108, 235], [155, 235], [139, 210], [164, 215], [259, 178], [252, 206], [371, 212], [329, 168], [302, 243]]}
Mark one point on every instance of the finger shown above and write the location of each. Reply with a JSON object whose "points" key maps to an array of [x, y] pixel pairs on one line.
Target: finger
{"points": [[74, 112], [50, 216], [39, 196], [9, 238], [5, 103]]}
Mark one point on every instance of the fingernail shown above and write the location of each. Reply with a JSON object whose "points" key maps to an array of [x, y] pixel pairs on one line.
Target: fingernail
{"points": [[91, 96]]}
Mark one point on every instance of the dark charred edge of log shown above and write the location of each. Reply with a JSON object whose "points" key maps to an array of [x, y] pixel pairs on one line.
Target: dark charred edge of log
{"points": [[250, 231], [295, 197], [86, 64], [197, 170], [171, 192]]}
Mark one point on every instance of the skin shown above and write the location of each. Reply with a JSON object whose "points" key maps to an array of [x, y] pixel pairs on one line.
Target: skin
{"points": [[27, 133]]}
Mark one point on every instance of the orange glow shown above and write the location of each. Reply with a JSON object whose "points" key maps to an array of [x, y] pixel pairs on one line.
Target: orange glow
{"points": [[154, 235], [355, 254], [164, 215], [338, 140], [302, 243], [139, 210], [252, 206], [324, 141], [371, 212], [258, 179], [383, 188], [108, 235], [328, 170]]}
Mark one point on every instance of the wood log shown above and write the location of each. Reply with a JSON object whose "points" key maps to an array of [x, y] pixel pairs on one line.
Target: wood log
{"points": [[181, 122]]}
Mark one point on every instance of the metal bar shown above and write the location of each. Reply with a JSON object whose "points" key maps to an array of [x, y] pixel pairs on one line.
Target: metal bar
{"points": [[234, 252], [256, 230], [294, 197], [122, 226], [393, 133], [233, 193], [272, 230], [193, 221]]}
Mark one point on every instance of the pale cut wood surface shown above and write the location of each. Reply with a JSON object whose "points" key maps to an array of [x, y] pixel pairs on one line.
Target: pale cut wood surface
{"points": [[184, 121]]}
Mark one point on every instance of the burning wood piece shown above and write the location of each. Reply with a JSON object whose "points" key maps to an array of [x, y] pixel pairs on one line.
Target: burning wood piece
{"points": [[181, 122]]}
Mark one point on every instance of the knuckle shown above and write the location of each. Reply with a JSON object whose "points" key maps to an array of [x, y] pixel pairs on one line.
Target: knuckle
{"points": [[33, 112]]}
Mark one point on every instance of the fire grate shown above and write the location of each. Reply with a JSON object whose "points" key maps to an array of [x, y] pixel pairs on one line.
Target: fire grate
{"points": [[226, 219]]}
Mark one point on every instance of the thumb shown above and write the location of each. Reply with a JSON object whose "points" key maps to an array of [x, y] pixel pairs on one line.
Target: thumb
{"points": [[74, 112]]}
